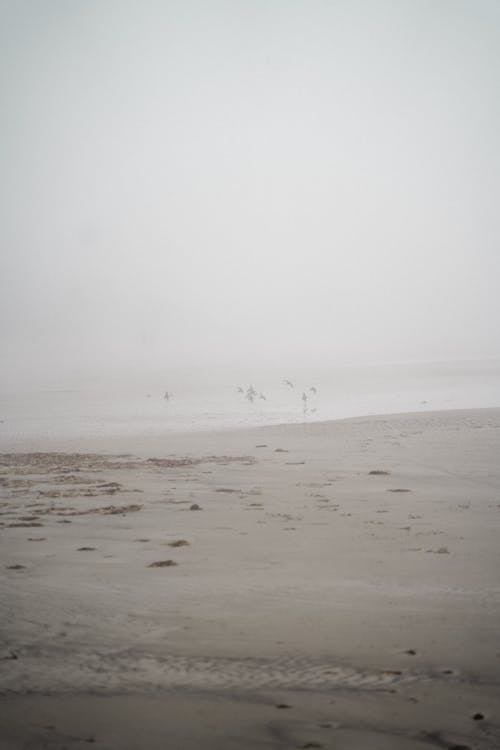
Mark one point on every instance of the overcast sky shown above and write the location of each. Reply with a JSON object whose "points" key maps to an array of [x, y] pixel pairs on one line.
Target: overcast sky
{"points": [[251, 180]]}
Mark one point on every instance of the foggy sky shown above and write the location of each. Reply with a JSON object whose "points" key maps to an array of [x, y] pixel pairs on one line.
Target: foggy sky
{"points": [[265, 181]]}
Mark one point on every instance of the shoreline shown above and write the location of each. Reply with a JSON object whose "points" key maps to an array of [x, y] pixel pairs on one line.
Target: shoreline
{"points": [[110, 443]]}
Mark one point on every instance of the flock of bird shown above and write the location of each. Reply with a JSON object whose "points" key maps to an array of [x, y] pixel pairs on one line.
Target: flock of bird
{"points": [[251, 394]]}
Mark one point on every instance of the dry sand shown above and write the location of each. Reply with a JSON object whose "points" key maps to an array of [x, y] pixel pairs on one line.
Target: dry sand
{"points": [[302, 600]]}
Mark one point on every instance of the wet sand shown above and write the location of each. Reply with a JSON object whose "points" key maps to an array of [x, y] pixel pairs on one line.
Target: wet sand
{"points": [[330, 585]]}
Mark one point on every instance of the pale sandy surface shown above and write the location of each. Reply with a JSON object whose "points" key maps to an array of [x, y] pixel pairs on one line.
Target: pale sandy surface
{"points": [[372, 612]]}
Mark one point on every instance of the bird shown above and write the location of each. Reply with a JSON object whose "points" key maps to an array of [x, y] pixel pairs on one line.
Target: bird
{"points": [[313, 389], [251, 393], [240, 389], [167, 396], [304, 401], [288, 383], [261, 396]]}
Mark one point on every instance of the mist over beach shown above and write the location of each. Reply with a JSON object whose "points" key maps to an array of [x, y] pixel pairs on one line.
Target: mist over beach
{"points": [[250, 375], [254, 183]]}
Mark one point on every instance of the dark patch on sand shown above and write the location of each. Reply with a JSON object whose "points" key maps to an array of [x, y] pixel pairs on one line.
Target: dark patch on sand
{"points": [[439, 551], [108, 510], [162, 564]]}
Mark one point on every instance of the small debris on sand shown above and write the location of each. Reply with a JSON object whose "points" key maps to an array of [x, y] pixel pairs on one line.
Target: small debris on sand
{"points": [[399, 489], [85, 549], [108, 510], [113, 510], [15, 567], [162, 564], [379, 473], [440, 551], [194, 506], [179, 543], [23, 525], [10, 657]]}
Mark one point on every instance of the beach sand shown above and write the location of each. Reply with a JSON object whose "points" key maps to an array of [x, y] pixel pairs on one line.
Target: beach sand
{"points": [[327, 585]]}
